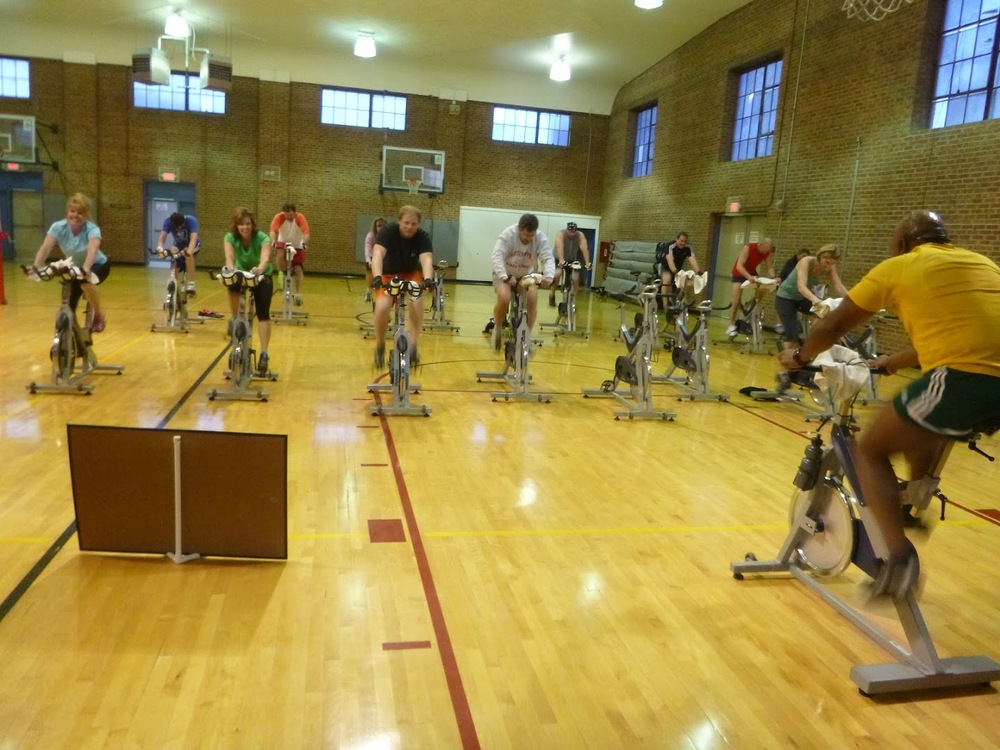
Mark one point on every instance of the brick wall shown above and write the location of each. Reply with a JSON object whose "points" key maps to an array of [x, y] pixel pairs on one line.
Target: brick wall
{"points": [[107, 148], [854, 97]]}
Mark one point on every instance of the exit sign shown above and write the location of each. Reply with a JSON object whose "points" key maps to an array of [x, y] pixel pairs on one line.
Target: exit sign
{"points": [[169, 175], [734, 205], [12, 166]]}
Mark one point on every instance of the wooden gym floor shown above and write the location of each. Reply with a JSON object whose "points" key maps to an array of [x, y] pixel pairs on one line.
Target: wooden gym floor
{"points": [[560, 579]]}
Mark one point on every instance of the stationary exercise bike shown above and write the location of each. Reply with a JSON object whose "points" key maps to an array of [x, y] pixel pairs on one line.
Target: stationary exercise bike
{"points": [[635, 369], [566, 318], [69, 342], [832, 527], [750, 322], [288, 299], [400, 358], [517, 348], [242, 356], [438, 321], [689, 346], [175, 305]]}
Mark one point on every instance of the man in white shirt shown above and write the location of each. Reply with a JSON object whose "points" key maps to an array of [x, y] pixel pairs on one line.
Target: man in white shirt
{"points": [[517, 252]]}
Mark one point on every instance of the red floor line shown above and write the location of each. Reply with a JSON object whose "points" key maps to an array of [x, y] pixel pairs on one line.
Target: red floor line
{"points": [[978, 514], [404, 645], [756, 412], [453, 678]]}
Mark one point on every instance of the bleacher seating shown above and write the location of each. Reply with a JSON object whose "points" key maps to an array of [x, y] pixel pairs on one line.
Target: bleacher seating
{"points": [[627, 258]]}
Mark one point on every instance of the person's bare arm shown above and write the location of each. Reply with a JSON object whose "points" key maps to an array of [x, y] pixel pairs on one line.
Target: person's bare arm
{"points": [[826, 332], [741, 263]]}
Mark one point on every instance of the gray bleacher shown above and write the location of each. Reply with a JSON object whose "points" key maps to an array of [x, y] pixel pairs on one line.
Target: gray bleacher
{"points": [[627, 258]]}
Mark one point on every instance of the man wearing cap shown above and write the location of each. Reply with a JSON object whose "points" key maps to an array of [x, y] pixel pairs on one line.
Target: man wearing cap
{"points": [[570, 245]]}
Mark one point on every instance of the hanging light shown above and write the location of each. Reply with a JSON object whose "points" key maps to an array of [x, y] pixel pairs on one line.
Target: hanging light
{"points": [[364, 46], [648, 4], [176, 27], [560, 69]]}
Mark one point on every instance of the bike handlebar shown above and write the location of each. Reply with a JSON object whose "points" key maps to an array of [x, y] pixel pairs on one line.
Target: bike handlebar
{"points": [[529, 280], [399, 286], [166, 252], [231, 277], [64, 269], [819, 368]]}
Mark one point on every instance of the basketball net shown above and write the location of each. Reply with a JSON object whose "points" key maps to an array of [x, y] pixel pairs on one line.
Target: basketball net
{"points": [[414, 185], [872, 10]]}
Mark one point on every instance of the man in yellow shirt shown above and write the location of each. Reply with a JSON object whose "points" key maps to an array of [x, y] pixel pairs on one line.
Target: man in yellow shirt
{"points": [[948, 300]]}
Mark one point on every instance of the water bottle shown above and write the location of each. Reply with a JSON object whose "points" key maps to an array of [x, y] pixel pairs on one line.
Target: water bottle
{"points": [[808, 473]]}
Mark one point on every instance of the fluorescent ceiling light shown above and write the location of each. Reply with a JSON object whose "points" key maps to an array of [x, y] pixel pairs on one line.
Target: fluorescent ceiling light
{"points": [[560, 70], [176, 27], [648, 4], [365, 44]]}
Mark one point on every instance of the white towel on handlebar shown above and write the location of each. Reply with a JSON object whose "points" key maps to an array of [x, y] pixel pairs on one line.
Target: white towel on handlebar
{"points": [[698, 281], [844, 374], [763, 281], [826, 306]]}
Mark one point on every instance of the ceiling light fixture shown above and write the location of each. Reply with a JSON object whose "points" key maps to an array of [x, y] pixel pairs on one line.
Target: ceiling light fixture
{"points": [[648, 4], [176, 27], [364, 46], [560, 69]]}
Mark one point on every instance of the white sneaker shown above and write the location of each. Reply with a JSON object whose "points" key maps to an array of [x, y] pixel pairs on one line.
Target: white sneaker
{"points": [[189, 289], [731, 331]]}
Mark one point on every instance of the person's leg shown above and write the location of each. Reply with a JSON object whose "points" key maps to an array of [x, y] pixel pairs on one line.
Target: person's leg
{"points": [[264, 330], [368, 282], [297, 281], [667, 288], [889, 435], [189, 267], [416, 315], [788, 315], [234, 302], [383, 302], [532, 306], [500, 308], [735, 306], [262, 305], [93, 298], [555, 285]]}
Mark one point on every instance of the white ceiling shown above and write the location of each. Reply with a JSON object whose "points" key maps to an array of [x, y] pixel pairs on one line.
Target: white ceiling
{"points": [[490, 50]]}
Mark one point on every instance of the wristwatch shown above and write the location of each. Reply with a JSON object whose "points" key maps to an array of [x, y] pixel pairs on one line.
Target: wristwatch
{"points": [[797, 358]]}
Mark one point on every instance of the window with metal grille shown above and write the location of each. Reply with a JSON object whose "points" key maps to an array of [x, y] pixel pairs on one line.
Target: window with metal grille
{"points": [[968, 80], [645, 141], [14, 80], [362, 109], [182, 94], [756, 112], [530, 126]]}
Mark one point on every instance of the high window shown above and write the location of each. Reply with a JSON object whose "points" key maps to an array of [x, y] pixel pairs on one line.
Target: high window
{"points": [[756, 112], [645, 141], [530, 126], [14, 78], [968, 81], [179, 95], [362, 109]]}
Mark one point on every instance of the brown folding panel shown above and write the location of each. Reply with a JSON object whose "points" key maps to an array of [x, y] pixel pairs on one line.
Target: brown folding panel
{"points": [[233, 491]]}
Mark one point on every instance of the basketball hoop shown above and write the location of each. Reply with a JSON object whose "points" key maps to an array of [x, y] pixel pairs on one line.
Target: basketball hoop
{"points": [[872, 10], [414, 184]]}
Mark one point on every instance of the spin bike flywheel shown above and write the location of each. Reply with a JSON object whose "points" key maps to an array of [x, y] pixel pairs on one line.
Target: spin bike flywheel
{"points": [[829, 550]]}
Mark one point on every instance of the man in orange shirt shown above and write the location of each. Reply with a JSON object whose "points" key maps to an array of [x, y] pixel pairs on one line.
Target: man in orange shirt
{"points": [[290, 228]]}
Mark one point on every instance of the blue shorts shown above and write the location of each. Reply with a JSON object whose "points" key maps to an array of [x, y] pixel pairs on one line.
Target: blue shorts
{"points": [[951, 403]]}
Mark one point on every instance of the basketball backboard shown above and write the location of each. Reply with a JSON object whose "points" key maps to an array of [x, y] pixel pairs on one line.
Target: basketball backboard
{"points": [[17, 138], [402, 165]]}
